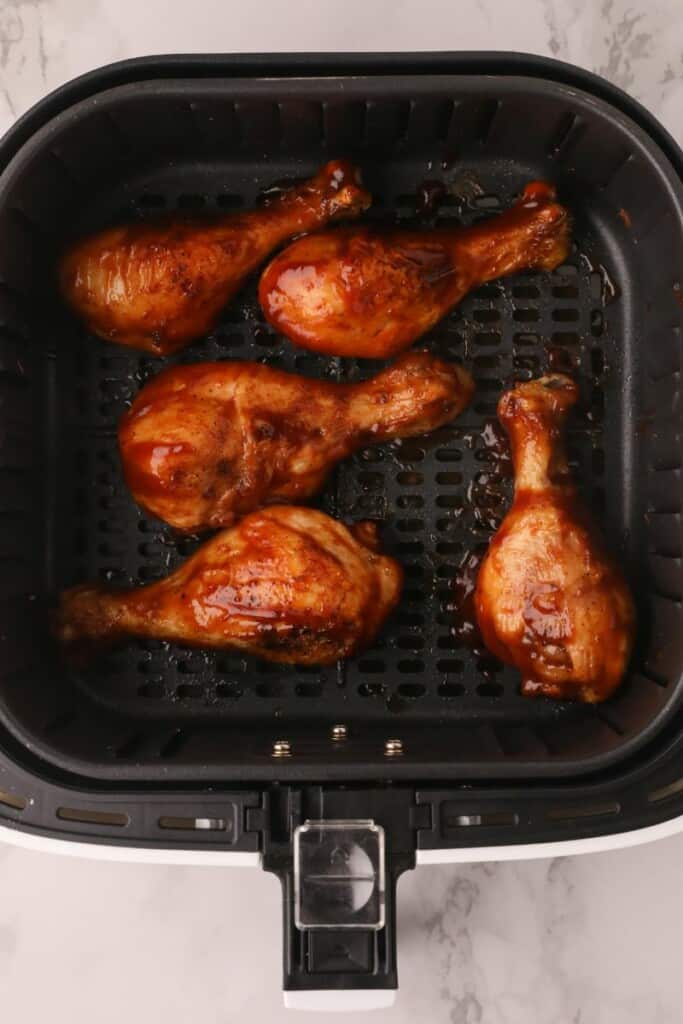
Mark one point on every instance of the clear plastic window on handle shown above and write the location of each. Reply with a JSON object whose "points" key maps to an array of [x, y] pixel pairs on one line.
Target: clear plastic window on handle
{"points": [[339, 875]]}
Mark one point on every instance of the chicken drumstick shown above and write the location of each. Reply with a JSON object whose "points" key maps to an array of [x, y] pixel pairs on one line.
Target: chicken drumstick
{"points": [[549, 600], [370, 293], [287, 584], [160, 285], [206, 443]]}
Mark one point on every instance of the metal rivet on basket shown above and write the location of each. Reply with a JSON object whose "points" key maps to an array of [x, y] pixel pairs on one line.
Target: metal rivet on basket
{"points": [[339, 732], [282, 748], [393, 748]]}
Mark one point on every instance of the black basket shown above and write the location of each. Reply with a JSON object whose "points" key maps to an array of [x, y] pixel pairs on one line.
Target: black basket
{"points": [[156, 733]]}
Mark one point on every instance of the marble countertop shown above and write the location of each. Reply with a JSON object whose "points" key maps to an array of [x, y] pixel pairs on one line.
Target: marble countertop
{"points": [[587, 940]]}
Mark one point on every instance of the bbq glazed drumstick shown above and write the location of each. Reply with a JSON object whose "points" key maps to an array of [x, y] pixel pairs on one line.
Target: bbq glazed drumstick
{"points": [[287, 584], [368, 292], [206, 443], [158, 286], [549, 599]]}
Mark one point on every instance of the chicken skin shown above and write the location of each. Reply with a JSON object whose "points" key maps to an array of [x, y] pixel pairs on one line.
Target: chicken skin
{"points": [[204, 444], [549, 599], [287, 584], [367, 292], [158, 286]]}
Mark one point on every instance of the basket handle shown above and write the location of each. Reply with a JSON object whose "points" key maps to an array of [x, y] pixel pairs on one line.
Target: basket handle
{"points": [[339, 879]]}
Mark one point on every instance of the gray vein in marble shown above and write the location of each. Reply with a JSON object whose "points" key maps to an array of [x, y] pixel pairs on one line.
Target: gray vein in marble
{"points": [[13, 39], [558, 23], [625, 45]]}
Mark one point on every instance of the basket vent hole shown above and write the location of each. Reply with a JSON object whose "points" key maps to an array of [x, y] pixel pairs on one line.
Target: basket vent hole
{"points": [[449, 501], [448, 547], [526, 291], [489, 689], [410, 547], [566, 339], [308, 690], [565, 291], [448, 455], [371, 455], [487, 362], [489, 291], [524, 340], [406, 501], [411, 665], [189, 691], [229, 201], [410, 619], [408, 478], [191, 201], [451, 690], [525, 316], [270, 690], [565, 315], [450, 665], [412, 691], [409, 525], [410, 643], [372, 689], [448, 479], [487, 202], [487, 338], [228, 691], [410, 452], [486, 316], [148, 573], [151, 201]]}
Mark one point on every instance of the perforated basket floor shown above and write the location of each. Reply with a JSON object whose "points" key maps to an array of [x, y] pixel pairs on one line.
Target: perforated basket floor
{"points": [[153, 709]]}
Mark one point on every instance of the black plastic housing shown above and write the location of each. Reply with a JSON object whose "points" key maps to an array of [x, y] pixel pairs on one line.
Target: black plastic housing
{"points": [[211, 132]]}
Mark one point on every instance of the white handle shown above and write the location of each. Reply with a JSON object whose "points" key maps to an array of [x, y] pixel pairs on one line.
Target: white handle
{"points": [[340, 1000]]}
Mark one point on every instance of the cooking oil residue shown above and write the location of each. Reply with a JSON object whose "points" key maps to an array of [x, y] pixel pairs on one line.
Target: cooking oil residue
{"points": [[465, 627], [486, 491], [608, 288], [277, 189], [495, 441], [625, 216]]}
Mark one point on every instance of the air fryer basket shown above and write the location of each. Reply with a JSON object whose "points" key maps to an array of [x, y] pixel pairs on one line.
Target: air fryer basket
{"points": [[610, 315], [162, 747]]}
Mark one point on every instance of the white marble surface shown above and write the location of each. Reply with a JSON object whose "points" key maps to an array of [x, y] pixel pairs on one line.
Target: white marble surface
{"points": [[589, 940]]}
